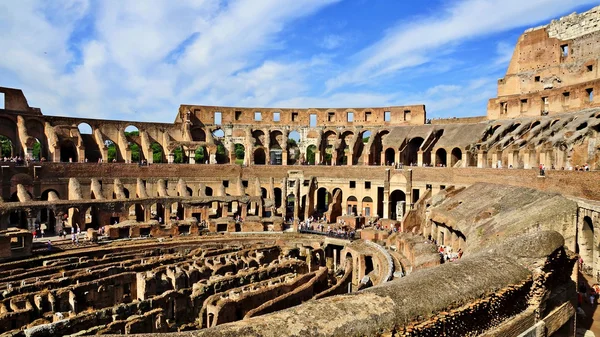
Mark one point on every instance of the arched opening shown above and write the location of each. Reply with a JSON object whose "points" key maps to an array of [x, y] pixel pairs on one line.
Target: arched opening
{"points": [[289, 206], [328, 141], [201, 155], [218, 133], [352, 206], [367, 206], [179, 156], [113, 152], [377, 148], [157, 212], [440, 158], [277, 196], [136, 212], [259, 138], [68, 151], [263, 192], [359, 148], [132, 134], [240, 153], [47, 215], [323, 199], [456, 156], [397, 202], [17, 218], [158, 155], [84, 129], [293, 142], [275, 150], [344, 149], [311, 151], [221, 155], [411, 155], [390, 156], [198, 134], [7, 147], [208, 191], [586, 245], [260, 157]]}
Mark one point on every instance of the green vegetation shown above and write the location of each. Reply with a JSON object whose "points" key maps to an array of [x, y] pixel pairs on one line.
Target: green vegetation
{"points": [[6, 146], [157, 153], [200, 156], [37, 150], [310, 154], [366, 140], [221, 154]]}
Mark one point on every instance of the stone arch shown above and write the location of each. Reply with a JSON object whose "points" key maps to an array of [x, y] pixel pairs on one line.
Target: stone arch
{"points": [[327, 146], [239, 151], [208, 191], [344, 149], [456, 156], [390, 156], [323, 199], [294, 156], [132, 134], [201, 155], [311, 152], [7, 147], [158, 153], [263, 192], [352, 206], [411, 155], [259, 138], [68, 151], [36, 130], [85, 129], [277, 197], [586, 246], [397, 203], [377, 148], [198, 134], [367, 206], [358, 152], [440, 157], [260, 158]]}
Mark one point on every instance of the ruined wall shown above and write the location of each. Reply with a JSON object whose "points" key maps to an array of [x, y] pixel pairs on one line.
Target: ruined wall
{"points": [[561, 56]]}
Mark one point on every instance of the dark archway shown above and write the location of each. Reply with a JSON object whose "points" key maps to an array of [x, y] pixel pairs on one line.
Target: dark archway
{"points": [[68, 151], [323, 199], [440, 157], [390, 156], [396, 205], [456, 155], [410, 156], [278, 197], [260, 157], [198, 134]]}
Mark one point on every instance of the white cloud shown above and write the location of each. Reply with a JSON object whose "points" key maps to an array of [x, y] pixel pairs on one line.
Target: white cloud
{"points": [[331, 41], [416, 42], [134, 65]]}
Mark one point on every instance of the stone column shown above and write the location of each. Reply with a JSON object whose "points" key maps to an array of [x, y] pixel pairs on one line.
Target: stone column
{"points": [[284, 157], [419, 158], [482, 159], [386, 205], [465, 159], [382, 158]]}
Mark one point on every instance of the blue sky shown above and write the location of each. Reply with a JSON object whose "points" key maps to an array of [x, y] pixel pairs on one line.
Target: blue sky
{"points": [[139, 60]]}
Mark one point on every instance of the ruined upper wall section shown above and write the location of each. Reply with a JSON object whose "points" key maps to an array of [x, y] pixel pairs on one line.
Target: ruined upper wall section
{"points": [[553, 70], [574, 25], [15, 100], [380, 116]]}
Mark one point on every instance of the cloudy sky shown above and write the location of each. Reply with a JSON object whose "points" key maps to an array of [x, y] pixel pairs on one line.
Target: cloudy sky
{"points": [[139, 60]]}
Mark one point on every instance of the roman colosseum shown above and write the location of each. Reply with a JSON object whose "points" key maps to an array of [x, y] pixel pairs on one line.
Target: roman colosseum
{"points": [[314, 222]]}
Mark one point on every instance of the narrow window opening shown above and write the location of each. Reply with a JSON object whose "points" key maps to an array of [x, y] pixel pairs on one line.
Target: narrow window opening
{"points": [[367, 185], [306, 183], [294, 116], [350, 116], [2, 104], [523, 105], [428, 186], [313, 120], [537, 79], [368, 116], [565, 50], [590, 94], [387, 116], [245, 183], [406, 115], [218, 120], [225, 183], [566, 96], [257, 116], [238, 115], [352, 184], [544, 105], [331, 116], [276, 117], [590, 67], [503, 108]]}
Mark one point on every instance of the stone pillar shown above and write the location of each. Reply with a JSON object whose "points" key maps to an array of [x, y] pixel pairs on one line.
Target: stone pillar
{"points": [[386, 205], [449, 159], [191, 156], [419, 158], [335, 263], [366, 158], [382, 158], [465, 159], [350, 157], [482, 159], [284, 157], [244, 212]]}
